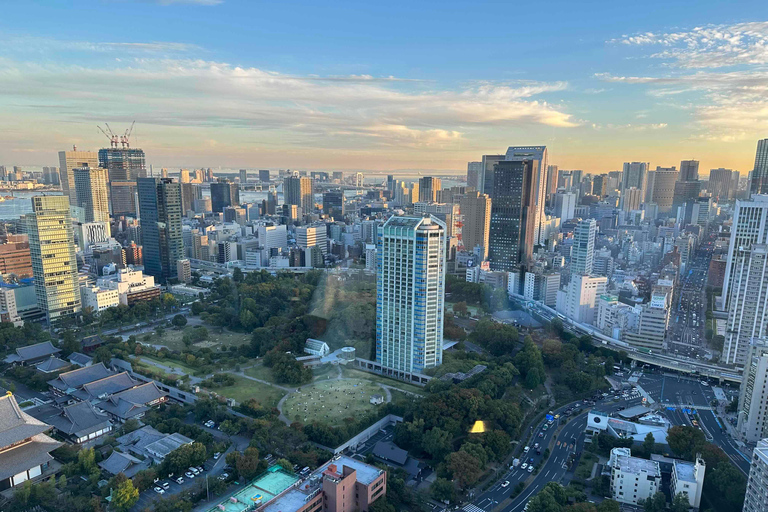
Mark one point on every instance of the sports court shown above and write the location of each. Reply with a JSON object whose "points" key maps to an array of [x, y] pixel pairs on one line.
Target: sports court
{"points": [[262, 490]]}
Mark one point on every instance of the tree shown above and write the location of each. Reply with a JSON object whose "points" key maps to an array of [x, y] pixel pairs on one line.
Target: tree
{"points": [[125, 496], [656, 503], [680, 503], [443, 490], [437, 443], [460, 308], [237, 275], [649, 444], [179, 321], [464, 467], [382, 505], [685, 441], [285, 464]]}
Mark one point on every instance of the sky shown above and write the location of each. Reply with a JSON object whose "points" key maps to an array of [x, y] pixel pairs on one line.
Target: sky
{"points": [[395, 85]]}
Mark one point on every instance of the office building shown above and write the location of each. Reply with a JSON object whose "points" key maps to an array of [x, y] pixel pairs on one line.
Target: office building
{"points": [[748, 305], [132, 285], [297, 191], [51, 176], [91, 233], [598, 185], [474, 170], [759, 180], [578, 300], [243, 176], [184, 271], [661, 188], [160, 204], [91, 193], [410, 285], [750, 226], [538, 156], [476, 209], [70, 160], [631, 199], [756, 496], [689, 170], [486, 173], [542, 287], [183, 175], [653, 321], [264, 175], [224, 193], [634, 175], [15, 257], [334, 203], [565, 206], [583, 250], [359, 180], [552, 175], [633, 479], [312, 236], [688, 479], [125, 166], [513, 208], [720, 184], [428, 189], [97, 299], [54, 264], [688, 186]]}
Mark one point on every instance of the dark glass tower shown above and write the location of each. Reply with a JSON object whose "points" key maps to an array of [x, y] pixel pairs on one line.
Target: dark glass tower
{"points": [[160, 208], [224, 193]]}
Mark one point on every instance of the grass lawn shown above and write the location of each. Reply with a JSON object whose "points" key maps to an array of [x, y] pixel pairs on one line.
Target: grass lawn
{"points": [[245, 389], [171, 363], [331, 401], [357, 374], [172, 338], [473, 310], [584, 469], [259, 371]]}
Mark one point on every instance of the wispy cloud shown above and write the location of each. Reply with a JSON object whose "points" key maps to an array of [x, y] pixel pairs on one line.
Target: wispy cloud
{"points": [[190, 2], [21, 45], [711, 46]]}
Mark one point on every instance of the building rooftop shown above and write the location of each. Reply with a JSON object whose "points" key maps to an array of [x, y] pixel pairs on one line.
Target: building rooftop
{"points": [[105, 387], [389, 451], [52, 364], [634, 411], [75, 379], [366, 473], [27, 455], [16, 425], [80, 420], [636, 466], [31, 352], [686, 471], [79, 359], [123, 463]]}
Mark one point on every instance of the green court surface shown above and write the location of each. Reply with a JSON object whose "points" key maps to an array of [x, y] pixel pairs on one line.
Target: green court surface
{"points": [[332, 401], [262, 490]]}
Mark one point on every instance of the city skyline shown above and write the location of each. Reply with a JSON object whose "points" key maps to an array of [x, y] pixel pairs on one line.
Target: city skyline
{"points": [[339, 92]]}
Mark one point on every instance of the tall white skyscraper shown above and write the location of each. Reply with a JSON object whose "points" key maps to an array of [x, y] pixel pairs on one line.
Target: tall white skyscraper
{"points": [[750, 226], [748, 309], [759, 177], [634, 175], [70, 160], [91, 193], [756, 498], [752, 425], [583, 250], [54, 264], [539, 155], [565, 206], [578, 300], [410, 288]]}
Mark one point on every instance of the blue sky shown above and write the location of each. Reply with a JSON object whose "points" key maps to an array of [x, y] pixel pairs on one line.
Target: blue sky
{"points": [[387, 85]]}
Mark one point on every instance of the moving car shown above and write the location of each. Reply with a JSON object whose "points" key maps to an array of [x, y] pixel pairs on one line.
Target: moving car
{"points": [[526, 449], [524, 466], [530, 468], [505, 484]]}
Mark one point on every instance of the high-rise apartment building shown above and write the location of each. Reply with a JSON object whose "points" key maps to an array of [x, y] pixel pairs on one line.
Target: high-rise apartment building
{"points": [[756, 497], [539, 157], [750, 226], [474, 170], [720, 184], [661, 188], [125, 166], [297, 190], [224, 193], [513, 209], [243, 176], [91, 193], [552, 175], [583, 250], [759, 181], [54, 264], [476, 209], [428, 189], [753, 414], [410, 289], [69, 160], [160, 204], [565, 205], [359, 180], [578, 300], [748, 307], [631, 199]]}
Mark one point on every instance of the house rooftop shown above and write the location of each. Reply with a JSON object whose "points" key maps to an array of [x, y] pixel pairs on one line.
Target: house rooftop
{"points": [[16, 425], [80, 420], [76, 379], [686, 471]]}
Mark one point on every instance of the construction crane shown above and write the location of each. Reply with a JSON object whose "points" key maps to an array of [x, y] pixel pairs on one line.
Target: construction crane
{"points": [[124, 140], [113, 141]]}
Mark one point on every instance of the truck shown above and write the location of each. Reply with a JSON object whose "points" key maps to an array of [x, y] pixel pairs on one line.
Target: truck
{"points": [[515, 463]]}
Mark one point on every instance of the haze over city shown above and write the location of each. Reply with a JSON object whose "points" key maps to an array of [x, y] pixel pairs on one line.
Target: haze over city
{"points": [[387, 86]]}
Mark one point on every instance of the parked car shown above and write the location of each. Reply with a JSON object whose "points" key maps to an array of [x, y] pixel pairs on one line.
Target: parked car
{"points": [[189, 475], [530, 468], [223, 476], [524, 466], [179, 480], [159, 490], [165, 485], [216, 455]]}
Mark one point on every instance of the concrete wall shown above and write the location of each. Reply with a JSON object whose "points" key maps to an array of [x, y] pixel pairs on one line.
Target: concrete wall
{"points": [[389, 419]]}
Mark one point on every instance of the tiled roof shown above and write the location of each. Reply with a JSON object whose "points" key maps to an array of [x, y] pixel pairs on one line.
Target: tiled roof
{"points": [[80, 419], [123, 463], [77, 378], [27, 455], [16, 425], [79, 358], [31, 352], [105, 387], [132, 402], [52, 364]]}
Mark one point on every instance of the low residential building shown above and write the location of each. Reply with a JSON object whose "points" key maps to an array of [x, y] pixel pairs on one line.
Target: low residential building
{"points": [[32, 354], [632, 479], [24, 446], [688, 479]]}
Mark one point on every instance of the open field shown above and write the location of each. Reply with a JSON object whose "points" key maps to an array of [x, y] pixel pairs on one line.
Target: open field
{"points": [[331, 401], [259, 371], [351, 373], [245, 389], [170, 363], [172, 338]]}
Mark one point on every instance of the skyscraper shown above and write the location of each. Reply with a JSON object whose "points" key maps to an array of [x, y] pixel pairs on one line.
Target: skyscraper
{"points": [[91, 193], [688, 186], [720, 184], [160, 205], [333, 203], [474, 169], [552, 174], [753, 416], [538, 155], [125, 166], [264, 175], [565, 205], [634, 175], [69, 160], [224, 193], [750, 226], [759, 182], [359, 180], [748, 307], [428, 189], [689, 170], [756, 496], [297, 190], [485, 182], [54, 264], [662, 190], [410, 288], [476, 209], [631, 199], [243, 176], [513, 209], [583, 250]]}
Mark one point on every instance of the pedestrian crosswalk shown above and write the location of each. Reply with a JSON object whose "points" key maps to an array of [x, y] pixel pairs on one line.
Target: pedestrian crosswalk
{"points": [[473, 508]]}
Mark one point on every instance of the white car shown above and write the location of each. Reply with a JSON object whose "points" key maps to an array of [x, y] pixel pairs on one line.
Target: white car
{"points": [[505, 484], [524, 466], [530, 468], [159, 490], [189, 475], [216, 455], [526, 449]]}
